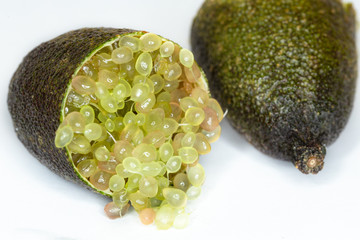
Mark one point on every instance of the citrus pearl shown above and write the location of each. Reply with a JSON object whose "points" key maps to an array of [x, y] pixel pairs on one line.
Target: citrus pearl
{"points": [[80, 144], [109, 125], [177, 95], [146, 105], [164, 97], [150, 42], [122, 55], [169, 126], [213, 135], [186, 58], [100, 180], [83, 85], [175, 111], [166, 107], [127, 87], [167, 49], [88, 70], [201, 144], [119, 92], [63, 136], [101, 90], [147, 216], [166, 151], [140, 92], [176, 143], [188, 155], [173, 164], [122, 149], [129, 132], [133, 182], [195, 116], [188, 140], [76, 121], [102, 154], [187, 127], [154, 119], [132, 42], [144, 64], [188, 102], [181, 181], [113, 211], [175, 56], [164, 217], [92, 131], [88, 113], [116, 183], [211, 120], [200, 95], [121, 171], [87, 167], [196, 175], [109, 103], [160, 65], [120, 198], [175, 197], [172, 72], [103, 61], [171, 85], [157, 138], [151, 168], [212, 103], [162, 170], [132, 164], [158, 82], [76, 100], [109, 165], [78, 158], [129, 118], [148, 186], [127, 70], [138, 200], [138, 137], [119, 125], [140, 119], [109, 78], [145, 152], [192, 74]]}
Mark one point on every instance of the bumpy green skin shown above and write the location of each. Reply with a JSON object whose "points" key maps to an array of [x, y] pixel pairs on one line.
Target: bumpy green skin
{"points": [[285, 70], [39, 86]]}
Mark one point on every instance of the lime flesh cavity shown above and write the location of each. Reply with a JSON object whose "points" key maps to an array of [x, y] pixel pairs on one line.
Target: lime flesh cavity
{"points": [[104, 118]]}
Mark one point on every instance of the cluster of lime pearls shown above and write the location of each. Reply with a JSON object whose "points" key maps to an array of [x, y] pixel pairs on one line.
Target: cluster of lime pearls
{"points": [[136, 118]]}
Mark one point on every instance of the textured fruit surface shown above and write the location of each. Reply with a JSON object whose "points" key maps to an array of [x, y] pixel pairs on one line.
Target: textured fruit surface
{"points": [[36, 106], [285, 70], [119, 117]]}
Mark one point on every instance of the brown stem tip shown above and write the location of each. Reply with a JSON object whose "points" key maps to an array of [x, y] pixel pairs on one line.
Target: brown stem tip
{"points": [[310, 159]]}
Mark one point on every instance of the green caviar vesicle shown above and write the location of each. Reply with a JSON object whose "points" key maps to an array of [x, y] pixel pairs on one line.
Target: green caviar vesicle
{"points": [[122, 55], [150, 42], [64, 136], [131, 42], [167, 49], [144, 64]]}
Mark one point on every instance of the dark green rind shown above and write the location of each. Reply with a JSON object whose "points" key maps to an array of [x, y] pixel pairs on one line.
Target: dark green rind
{"points": [[285, 69], [39, 86]]}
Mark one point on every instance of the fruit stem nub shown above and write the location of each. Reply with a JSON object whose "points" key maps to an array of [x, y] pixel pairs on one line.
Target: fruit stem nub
{"points": [[310, 159]]}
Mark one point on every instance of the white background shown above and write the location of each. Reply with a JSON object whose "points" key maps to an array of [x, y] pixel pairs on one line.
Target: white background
{"points": [[247, 195]]}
